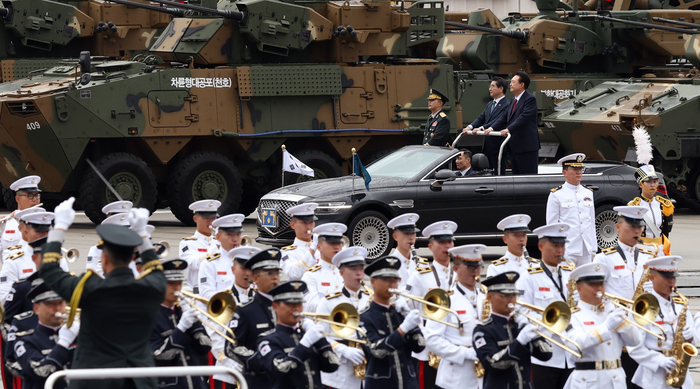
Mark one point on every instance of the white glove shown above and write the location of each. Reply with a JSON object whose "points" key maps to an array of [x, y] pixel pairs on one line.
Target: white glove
{"points": [[354, 355], [307, 324], [411, 321], [66, 336], [138, 220], [615, 319], [668, 364], [527, 334], [187, 320], [688, 333], [312, 336], [648, 287], [64, 214], [521, 320]]}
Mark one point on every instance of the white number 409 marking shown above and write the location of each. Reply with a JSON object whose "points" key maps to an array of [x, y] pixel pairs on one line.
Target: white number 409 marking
{"points": [[33, 126]]}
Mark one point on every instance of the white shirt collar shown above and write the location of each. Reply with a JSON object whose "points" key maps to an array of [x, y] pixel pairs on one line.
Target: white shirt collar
{"points": [[570, 186], [626, 248], [201, 236], [495, 101], [466, 170], [267, 296], [519, 96], [441, 269], [325, 264], [511, 256]]}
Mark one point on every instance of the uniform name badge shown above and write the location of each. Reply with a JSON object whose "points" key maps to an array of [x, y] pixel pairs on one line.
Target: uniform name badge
{"points": [[269, 217]]}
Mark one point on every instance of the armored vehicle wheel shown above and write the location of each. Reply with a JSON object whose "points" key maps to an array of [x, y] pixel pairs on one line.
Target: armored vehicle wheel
{"points": [[128, 175], [8, 196], [324, 167], [605, 231], [369, 230], [200, 176]]}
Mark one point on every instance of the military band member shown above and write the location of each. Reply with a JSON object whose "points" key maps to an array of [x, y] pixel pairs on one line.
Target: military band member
{"points": [[572, 203], [255, 317], [92, 261], [504, 348], [202, 244], [454, 345], [600, 330], [437, 129], [325, 277], [22, 231], [178, 339], [27, 194], [659, 219], [404, 234], [392, 335], [515, 229], [216, 273], [299, 257], [351, 262], [653, 355]]}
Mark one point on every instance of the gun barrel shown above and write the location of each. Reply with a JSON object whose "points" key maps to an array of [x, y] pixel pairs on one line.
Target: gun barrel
{"points": [[519, 35], [642, 24], [233, 15], [172, 11], [677, 22]]}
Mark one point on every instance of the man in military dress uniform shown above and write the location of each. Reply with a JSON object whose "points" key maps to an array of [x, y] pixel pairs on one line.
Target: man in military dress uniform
{"points": [[503, 348], [92, 261], [216, 273], [22, 231], [515, 229], [572, 203], [27, 194], [601, 331], [392, 336], [454, 345], [299, 257], [324, 278], [119, 311], [404, 234], [178, 339], [437, 129], [198, 247], [255, 317], [659, 219]]}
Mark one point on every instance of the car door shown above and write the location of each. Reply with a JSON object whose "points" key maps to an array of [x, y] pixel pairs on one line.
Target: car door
{"points": [[531, 193]]}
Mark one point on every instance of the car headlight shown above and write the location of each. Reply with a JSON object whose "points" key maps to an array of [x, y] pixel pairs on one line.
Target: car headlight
{"points": [[329, 208]]}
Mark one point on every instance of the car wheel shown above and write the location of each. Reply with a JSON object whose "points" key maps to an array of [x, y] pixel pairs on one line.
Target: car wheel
{"points": [[605, 231], [369, 230]]}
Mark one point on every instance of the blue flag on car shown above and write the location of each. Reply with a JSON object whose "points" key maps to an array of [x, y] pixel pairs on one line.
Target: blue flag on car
{"points": [[360, 170]]}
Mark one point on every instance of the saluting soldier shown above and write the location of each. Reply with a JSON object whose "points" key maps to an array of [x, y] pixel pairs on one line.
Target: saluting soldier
{"points": [[600, 329], [198, 247], [515, 229], [216, 273], [659, 219], [255, 317], [324, 278], [299, 257], [404, 234], [437, 129], [351, 262], [503, 347], [656, 358], [92, 261], [572, 203], [392, 335], [178, 339], [454, 345], [27, 194], [544, 284]]}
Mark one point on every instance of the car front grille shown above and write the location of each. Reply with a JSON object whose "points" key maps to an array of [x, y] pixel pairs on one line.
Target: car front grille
{"points": [[283, 218]]}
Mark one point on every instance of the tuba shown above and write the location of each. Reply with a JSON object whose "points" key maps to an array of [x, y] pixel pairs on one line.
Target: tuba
{"points": [[680, 349]]}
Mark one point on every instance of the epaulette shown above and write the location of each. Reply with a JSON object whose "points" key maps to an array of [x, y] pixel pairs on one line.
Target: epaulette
{"points": [[500, 261], [24, 333], [609, 250], [486, 321], [635, 201], [334, 295], [588, 187], [534, 260], [287, 248], [213, 257], [666, 205], [24, 315], [533, 270], [567, 267], [555, 189], [422, 270], [266, 333], [422, 260], [645, 251], [571, 264], [314, 268], [678, 300], [15, 247], [16, 255], [189, 238], [442, 115]]}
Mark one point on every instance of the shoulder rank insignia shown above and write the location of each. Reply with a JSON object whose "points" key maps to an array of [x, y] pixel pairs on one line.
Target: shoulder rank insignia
{"points": [[266, 333], [677, 300], [314, 268], [24, 315], [442, 115], [189, 238], [334, 295], [422, 270], [15, 247], [534, 260], [287, 248], [213, 257], [555, 189], [24, 333], [567, 267], [533, 270], [609, 250], [500, 261], [16, 255], [645, 251], [571, 264], [635, 201], [666, 205], [422, 260]]}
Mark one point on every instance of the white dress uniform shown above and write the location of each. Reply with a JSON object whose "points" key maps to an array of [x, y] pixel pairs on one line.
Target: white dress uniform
{"points": [[408, 267], [406, 223], [11, 235], [574, 205], [325, 277], [13, 226], [216, 274], [660, 209], [510, 261], [300, 256], [196, 248], [18, 265]]}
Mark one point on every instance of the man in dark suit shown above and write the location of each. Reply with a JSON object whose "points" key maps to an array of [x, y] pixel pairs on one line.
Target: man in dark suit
{"points": [[464, 164], [494, 110], [437, 129], [521, 122]]}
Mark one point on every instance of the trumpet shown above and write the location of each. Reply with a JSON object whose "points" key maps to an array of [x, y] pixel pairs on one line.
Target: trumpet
{"points": [[162, 248], [555, 319], [246, 241], [220, 309], [346, 242], [644, 309], [71, 255], [64, 316], [436, 305]]}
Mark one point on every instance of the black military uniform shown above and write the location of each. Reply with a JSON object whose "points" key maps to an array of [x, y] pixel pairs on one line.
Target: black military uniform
{"points": [[389, 363], [39, 354], [282, 354], [252, 319], [118, 311], [506, 361], [171, 345], [437, 129]]}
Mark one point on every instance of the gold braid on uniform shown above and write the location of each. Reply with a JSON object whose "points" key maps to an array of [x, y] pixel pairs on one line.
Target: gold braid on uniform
{"points": [[51, 257], [147, 268], [75, 298]]}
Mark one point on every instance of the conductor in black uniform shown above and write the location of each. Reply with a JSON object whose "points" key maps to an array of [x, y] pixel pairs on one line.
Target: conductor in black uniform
{"points": [[118, 311], [295, 357], [502, 347], [437, 130]]}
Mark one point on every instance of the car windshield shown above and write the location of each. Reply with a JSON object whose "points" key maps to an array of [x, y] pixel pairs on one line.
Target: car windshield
{"points": [[406, 163]]}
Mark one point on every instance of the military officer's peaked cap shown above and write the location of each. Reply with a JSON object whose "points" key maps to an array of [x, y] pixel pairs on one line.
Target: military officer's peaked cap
{"points": [[19, 215], [40, 292], [27, 184], [40, 221], [230, 223], [633, 214], [573, 160], [265, 259], [119, 219], [174, 269], [503, 283], [645, 173], [443, 230], [590, 272], [123, 206], [37, 243], [331, 232], [289, 292], [243, 254], [117, 236], [555, 232], [404, 223], [206, 208], [351, 256], [437, 95], [667, 265], [515, 223], [305, 212], [384, 267], [470, 254]]}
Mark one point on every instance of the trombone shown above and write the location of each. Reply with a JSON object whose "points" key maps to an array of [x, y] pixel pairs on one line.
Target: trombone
{"points": [[343, 319], [644, 308], [220, 309], [555, 319], [436, 305], [71, 255]]}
